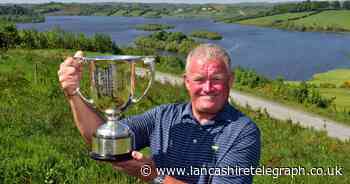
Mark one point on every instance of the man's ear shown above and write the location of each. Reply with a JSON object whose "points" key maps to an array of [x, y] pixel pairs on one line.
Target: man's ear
{"points": [[185, 80], [231, 79]]}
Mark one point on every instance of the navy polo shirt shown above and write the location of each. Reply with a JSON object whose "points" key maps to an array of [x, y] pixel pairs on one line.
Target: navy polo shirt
{"points": [[177, 140]]}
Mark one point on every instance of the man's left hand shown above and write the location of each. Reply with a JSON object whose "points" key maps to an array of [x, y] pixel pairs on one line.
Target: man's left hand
{"points": [[140, 167]]}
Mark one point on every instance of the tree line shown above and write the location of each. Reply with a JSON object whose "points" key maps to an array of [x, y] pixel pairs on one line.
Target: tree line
{"points": [[294, 7], [310, 6], [11, 37], [19, 14]]}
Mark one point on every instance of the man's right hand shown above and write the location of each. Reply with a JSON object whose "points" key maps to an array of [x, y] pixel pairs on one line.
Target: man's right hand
{"points": [[70, 73]]}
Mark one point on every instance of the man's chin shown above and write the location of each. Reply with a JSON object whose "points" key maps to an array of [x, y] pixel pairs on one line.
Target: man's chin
{"points": [[208, 109]]}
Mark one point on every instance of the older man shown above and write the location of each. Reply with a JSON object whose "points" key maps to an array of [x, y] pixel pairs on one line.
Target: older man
{"points": [[204, 141]]}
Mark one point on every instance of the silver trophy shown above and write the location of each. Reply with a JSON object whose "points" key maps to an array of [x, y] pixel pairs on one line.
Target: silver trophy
{"points": [[112, 82]]}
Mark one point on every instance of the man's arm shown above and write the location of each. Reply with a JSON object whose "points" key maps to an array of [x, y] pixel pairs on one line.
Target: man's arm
{"points": [[86, 120]]}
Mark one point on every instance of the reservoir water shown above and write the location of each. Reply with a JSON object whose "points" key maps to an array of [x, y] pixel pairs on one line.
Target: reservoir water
{"points": [[271, 52]]}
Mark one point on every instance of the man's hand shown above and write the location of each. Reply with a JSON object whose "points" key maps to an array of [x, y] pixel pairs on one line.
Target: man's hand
{"points": [[140, 167], [172, 180], [70, 73]]}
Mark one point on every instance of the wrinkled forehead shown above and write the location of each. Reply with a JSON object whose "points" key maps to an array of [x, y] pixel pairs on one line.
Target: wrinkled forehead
{"points": [[207, 67], [200, 64]]}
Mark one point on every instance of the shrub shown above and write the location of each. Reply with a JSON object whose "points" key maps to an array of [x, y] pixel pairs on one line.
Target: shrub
{"points": [[346, 84]]}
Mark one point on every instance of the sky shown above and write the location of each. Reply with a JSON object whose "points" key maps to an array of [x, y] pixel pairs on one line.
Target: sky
{"points": [[144, 1]]}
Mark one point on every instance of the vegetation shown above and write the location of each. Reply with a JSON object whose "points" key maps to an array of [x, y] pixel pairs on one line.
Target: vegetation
{"points": [[334, 84], [34, 138], [168, 41], [288, 145], [336, 77], [17, 13], [171, 64], [309, 6], [153, 27], [8, 36], [40, 144], [228, 13], [207, 35], [304, 95], [55, 38], [332, 20], [327, 20], [300, 16], [153, 10], [342, 98], [273, 19]]}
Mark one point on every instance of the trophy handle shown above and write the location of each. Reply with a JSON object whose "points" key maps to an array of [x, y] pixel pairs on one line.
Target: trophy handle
{"points": [[77, 91], [88, 101], [149, 61]]}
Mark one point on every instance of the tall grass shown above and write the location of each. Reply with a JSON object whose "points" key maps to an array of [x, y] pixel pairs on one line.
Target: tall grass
{"points": [[39, 143]]}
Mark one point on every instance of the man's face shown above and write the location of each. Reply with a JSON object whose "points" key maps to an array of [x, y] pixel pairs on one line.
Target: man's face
{"points": [[208, 84]]}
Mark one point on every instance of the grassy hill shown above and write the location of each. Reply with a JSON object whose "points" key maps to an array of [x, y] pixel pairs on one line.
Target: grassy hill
{"points": [[339, 19], [332, 20], [270, 20], [40, 144], [337, 77]]}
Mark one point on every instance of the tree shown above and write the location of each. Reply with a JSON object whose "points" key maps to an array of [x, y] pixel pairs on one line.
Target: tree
{"points": [[335, 4], [346, 5], [102, 42], [28, 39], [9, 36]]}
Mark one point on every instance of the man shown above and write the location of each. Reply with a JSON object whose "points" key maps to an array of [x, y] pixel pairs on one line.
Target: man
{"points": [[207, 137]]}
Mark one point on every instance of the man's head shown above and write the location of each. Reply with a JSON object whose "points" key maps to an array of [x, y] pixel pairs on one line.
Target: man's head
{"points": [[208, 78]]}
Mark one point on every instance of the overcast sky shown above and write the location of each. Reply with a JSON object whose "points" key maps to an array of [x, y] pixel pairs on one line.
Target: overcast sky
{"points": [[145, 1]]}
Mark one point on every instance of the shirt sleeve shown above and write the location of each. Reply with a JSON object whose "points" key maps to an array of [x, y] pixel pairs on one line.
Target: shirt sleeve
{"points": [[141, 127], [244, 155]]}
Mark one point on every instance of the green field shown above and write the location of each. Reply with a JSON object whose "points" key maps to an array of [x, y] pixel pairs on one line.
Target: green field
{"points": [[269, 20], [338, 19], [332, 20], [336, 77], [40, 144], [342, 100]]}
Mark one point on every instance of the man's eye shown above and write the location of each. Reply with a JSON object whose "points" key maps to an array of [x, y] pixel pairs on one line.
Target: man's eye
{"points": [[198, 79], [218, 78]]}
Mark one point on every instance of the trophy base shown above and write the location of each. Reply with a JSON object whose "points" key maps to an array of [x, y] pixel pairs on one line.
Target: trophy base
{"points": [[118, 158]]}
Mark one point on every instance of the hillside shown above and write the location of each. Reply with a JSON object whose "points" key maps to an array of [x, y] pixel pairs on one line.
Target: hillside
{"points": [[40, 143], [332, 20]]}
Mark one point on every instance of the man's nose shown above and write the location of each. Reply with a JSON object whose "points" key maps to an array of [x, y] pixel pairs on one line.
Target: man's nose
{"points": [[207, 86]]}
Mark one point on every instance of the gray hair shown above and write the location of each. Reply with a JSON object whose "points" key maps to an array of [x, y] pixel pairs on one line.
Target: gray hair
{"points": [[209, 51]]}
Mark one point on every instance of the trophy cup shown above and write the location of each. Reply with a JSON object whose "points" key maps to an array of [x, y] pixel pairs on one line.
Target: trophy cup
{"points": [[112, 81]]}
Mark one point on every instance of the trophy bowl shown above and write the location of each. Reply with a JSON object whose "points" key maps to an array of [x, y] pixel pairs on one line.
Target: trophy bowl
{"points": [[112, 82]]}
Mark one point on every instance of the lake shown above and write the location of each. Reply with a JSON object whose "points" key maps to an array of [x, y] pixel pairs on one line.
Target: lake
{"points": [[271, 52]]}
